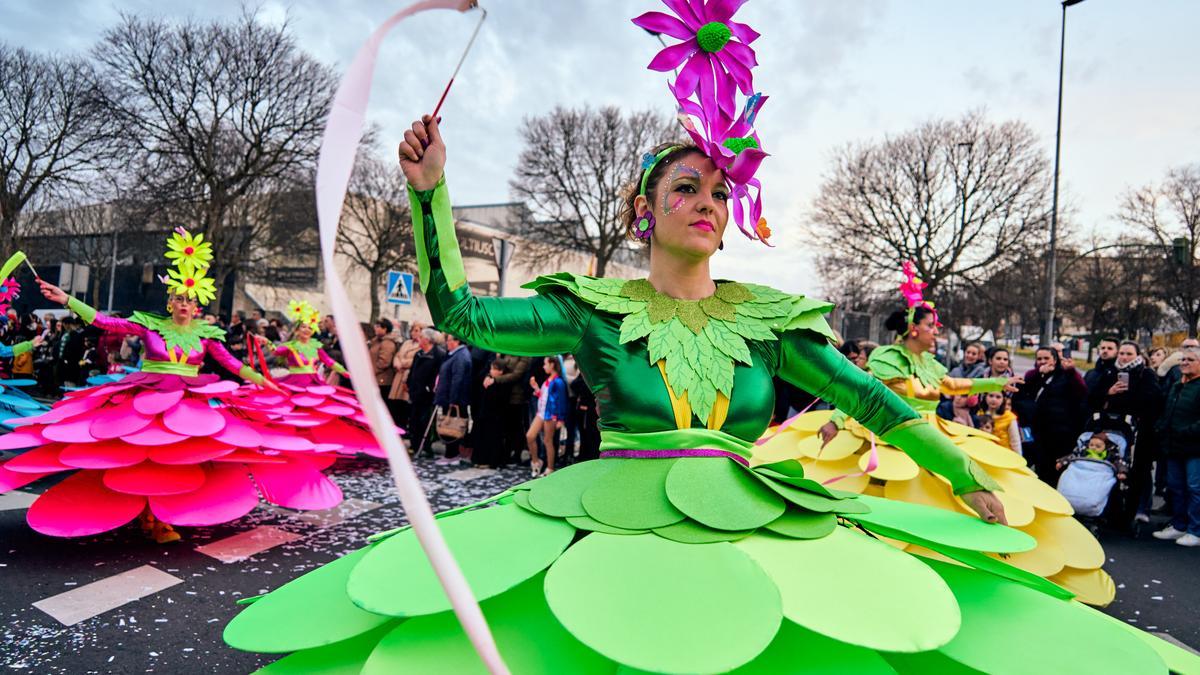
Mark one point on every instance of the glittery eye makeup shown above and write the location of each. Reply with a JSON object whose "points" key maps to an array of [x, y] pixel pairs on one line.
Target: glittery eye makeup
{"points": [[677, 171]]}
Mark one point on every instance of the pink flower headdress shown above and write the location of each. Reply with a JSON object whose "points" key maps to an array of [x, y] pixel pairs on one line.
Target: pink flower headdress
{"points": [[9, 290], [717, 63], [913, 291]]}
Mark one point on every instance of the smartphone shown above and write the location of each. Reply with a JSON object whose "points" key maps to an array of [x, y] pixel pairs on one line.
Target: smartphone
{"points": [[1123, 378]]}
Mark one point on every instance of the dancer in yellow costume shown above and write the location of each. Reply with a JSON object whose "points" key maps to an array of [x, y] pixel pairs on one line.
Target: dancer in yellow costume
{"points": [[834, 447]]}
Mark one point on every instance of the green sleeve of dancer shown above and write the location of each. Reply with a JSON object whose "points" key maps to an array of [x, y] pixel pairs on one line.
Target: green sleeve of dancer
{"points": [[814, 365], [986, 384], [548, 323], [84, 310], [340, 369], [248, 373], [22, 347]]}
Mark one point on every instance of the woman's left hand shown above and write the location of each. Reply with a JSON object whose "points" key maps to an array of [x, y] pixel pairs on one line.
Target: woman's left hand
{"points": [[1013, 383], [987, 505]]}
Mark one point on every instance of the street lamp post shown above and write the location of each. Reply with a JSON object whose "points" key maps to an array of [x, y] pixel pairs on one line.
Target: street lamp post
{"points": [[1052, 264]]}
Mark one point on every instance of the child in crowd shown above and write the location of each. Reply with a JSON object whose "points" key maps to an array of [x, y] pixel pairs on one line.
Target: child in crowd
{"points": [[1099, 448], [1003, 421]]}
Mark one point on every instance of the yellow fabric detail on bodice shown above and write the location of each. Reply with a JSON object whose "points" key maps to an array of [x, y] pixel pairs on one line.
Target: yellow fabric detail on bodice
{"points": [[683, 411]]}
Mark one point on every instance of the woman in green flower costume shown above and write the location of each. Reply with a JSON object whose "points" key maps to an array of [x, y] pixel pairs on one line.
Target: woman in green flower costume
{"points": [[332, 416], [835, 449], [670, 553]]}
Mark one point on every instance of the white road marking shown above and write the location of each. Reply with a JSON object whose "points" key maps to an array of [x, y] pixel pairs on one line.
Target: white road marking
{"points": [[245, 544], [349, 508], [16, 499], [470, 474], [85, 602]]}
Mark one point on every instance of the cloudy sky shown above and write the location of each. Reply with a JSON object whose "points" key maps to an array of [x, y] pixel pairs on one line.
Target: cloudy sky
{"points": [[837, 72]]}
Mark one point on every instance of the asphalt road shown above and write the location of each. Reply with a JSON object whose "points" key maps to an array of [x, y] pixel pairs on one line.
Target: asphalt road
{"points": [[178, 629]]}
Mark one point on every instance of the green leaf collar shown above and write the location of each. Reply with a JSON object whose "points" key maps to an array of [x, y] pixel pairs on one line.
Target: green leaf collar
{"points": [[186, 337], [699, 340]]}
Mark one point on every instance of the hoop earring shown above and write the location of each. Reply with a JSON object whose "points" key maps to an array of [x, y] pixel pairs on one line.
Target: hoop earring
{"points": [[644, 226]]}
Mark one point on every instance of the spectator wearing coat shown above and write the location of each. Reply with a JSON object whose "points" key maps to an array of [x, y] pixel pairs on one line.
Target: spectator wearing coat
{"points": [[1179, 433], [453, 393], [382, 348], [515, 372], [422, 378], [1125, 387], [974, 363], [398, 398], [1049, 405]]}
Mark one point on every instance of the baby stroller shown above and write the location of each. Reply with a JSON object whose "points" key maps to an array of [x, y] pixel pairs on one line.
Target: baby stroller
{"points": [[1095, 472]]}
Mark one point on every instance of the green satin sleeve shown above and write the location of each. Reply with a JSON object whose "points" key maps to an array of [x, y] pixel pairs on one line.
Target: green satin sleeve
{"points": [[549, 323], [987, 384], [251, 375], [817, 367], [84, 310]]}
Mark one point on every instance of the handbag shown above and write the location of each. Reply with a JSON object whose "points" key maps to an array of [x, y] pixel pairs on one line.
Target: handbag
{"points": [[452, 425]]}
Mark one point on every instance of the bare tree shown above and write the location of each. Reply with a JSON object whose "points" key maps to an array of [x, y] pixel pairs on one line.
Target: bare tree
{"points": [[1169, 215], [221, 112], [572, 173], [54, 132], [376, 231], [961, 199]]}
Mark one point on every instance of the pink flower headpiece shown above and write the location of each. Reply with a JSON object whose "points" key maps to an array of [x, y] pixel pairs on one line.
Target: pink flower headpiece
{"points": [[717, 61], [912, 289], [9, 290]]}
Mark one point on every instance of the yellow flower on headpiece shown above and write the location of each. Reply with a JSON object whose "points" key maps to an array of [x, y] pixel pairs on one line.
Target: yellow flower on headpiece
{"points": [[185, 280], [301, 312], [297, 309], [184, 248]]}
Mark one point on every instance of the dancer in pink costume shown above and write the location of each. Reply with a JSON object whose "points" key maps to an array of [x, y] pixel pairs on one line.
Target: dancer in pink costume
{"points": [[330, 416], [165, 444]]}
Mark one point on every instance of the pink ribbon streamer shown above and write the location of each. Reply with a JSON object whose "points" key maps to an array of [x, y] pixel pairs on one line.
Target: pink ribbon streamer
{"points": [[786, 423], [343, 132]]}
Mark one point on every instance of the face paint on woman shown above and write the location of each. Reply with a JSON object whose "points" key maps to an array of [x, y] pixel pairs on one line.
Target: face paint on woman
{"points": [[678, 170]]}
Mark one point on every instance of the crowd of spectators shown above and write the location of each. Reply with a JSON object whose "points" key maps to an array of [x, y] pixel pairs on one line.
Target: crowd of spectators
{"points": [[537, 411]]}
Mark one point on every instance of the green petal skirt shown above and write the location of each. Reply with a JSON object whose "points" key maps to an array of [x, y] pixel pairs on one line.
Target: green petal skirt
{"points": [[697, 565]]}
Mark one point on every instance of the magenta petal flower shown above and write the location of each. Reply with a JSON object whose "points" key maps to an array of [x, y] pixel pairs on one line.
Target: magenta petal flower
{"points": [[706, 31], [657, 22], [744, 165]]}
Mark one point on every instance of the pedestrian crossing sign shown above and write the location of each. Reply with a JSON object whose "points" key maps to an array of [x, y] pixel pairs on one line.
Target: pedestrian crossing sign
{"points": [[399, 288]]}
